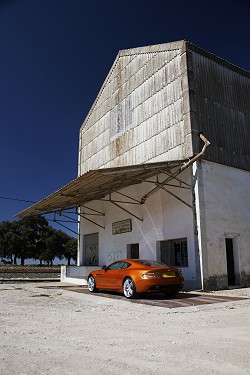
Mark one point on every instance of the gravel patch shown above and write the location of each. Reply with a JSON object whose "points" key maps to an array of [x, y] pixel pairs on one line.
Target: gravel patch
{"points": [[56, 331]]}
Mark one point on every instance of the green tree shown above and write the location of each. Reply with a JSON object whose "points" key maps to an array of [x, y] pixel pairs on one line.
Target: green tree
{"points": [[9, 240], [54, 242], [31, 232], [70, 249], [32, 237]]}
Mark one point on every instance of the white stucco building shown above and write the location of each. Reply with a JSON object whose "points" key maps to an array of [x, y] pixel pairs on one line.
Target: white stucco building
{"points": [[148, 185]]}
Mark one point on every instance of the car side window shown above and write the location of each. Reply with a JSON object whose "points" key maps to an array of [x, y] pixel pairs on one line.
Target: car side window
{"points": [[126, 265], [115, 266]]}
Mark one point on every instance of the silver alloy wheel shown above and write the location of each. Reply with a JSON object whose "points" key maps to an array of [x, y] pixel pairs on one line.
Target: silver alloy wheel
{"points": [[128, 288], [91, 284]]}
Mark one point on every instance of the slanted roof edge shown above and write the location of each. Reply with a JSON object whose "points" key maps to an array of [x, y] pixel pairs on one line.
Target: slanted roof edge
{"points": [[133, 51]]}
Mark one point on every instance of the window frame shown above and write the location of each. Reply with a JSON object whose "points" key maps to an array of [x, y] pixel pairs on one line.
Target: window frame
{"points": [[133, 251], [174, 252]]}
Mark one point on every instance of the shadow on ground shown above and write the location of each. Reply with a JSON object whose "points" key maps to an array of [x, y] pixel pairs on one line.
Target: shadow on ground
{"points": [[183, 299]]}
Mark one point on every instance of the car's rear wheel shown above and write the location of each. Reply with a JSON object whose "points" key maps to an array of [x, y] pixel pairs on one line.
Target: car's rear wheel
{"points": [[92, 284], [129, 289]]}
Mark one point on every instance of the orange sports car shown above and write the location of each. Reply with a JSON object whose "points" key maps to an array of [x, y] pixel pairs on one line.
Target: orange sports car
{"points": [[132, 276]]}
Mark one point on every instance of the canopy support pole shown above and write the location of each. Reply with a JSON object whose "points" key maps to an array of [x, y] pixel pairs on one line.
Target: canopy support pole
{"points": [[179, 170], [59, 222], [86, 218], [91, 209], [124, 209], [174, 195]]}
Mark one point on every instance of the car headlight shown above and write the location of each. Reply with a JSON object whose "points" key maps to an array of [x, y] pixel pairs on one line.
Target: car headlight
{"points": [[150, 275]]}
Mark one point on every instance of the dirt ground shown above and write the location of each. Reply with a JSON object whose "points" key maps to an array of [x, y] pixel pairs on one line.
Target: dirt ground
{"points": [[56, 331]]}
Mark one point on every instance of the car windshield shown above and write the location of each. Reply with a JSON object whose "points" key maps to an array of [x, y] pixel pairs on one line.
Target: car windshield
{"points": [[150, 263]]}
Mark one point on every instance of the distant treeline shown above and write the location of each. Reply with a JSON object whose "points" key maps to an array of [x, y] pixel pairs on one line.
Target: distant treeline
{"points": [[33, 238]]}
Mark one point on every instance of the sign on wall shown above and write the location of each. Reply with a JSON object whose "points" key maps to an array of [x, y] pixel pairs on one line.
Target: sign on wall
{"points": [[122, 226]]}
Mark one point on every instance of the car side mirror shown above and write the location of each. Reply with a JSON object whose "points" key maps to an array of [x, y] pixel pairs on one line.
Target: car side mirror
{"points": [[104, 268]]}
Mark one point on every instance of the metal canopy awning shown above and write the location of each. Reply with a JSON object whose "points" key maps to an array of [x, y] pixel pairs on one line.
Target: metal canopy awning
{"points": [[96, 184]]}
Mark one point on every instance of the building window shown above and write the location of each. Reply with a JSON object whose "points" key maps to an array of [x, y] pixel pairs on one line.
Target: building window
{"points": [[174, 252], [133, 251], [121, 117]]}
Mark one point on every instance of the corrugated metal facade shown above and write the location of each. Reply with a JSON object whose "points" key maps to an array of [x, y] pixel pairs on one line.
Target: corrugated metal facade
{"points": [[139, 115], [220, 107], [154, 102]]}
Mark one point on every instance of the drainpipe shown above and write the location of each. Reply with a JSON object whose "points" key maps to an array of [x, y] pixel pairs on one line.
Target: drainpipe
{"points": [[198, 156]]}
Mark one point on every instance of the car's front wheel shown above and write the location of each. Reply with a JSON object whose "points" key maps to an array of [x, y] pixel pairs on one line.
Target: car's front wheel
{"points": [[92, 284], [129, 289]]}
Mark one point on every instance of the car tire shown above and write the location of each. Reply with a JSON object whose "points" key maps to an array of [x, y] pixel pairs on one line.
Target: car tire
{"points": [[92, 284], [129, 289]]}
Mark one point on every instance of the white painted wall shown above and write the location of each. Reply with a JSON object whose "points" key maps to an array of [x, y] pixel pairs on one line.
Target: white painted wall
{"points": [[164, 218], [225, 213], [76, 275]]}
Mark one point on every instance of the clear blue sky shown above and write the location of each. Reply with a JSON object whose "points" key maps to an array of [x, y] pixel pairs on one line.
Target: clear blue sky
{"points": [[54, 57]]}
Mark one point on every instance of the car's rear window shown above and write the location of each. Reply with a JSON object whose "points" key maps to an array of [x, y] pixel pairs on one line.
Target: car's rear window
{"points": [[150, 263]]}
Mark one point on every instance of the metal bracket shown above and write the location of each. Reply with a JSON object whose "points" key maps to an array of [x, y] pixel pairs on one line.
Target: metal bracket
{"points": [[187, 186], [59, 222], [127, 196], [86, 218], [179, 170], [97, 213], [72, 220], [135, 201], [122, 208], [174, 195]]}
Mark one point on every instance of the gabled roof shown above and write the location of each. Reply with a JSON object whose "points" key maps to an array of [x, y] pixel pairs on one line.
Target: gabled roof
{"points": [[135, 51], [184, 45]]}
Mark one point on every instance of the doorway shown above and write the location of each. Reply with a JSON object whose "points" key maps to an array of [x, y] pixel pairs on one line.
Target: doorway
{"points": [[91, 249], [230, 261]]}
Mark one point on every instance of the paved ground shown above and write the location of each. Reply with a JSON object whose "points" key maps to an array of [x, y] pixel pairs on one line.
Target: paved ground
{"points": [[58, 331], [181, 300]]}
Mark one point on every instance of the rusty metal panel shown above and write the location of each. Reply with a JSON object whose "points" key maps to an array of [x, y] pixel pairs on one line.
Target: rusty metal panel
{"points": [[221, 109]]}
